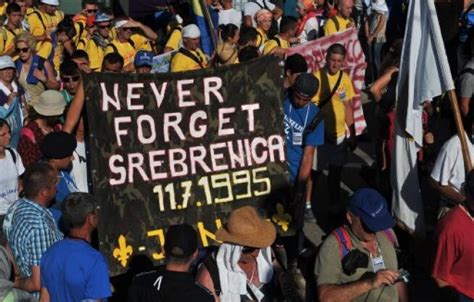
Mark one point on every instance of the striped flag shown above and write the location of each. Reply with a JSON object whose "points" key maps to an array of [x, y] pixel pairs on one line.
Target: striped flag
{"points": [[206, 38]]}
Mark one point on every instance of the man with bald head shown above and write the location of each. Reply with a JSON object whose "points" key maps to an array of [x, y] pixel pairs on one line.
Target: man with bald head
{"points": [[342, 20]]}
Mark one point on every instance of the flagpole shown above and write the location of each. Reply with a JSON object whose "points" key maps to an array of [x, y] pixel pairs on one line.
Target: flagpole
{"points": [[460, 129], [209, 22]]}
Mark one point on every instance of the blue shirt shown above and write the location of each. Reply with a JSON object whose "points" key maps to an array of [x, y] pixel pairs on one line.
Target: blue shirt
{"points": [[30, 230], [72, 270], [296, 120], [65, 186]]}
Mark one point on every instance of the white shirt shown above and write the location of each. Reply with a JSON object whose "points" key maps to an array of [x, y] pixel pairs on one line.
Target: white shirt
{"points": [[251, 8], [310, 25], [79, 168], [10, 171], [449, 169], [233, 16]]}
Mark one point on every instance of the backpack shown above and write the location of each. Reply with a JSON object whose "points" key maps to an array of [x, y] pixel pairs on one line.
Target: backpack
{"points": [[345, 243]]}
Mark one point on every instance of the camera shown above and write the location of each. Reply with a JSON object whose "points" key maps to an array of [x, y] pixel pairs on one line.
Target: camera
{"points": [[403, 277]]}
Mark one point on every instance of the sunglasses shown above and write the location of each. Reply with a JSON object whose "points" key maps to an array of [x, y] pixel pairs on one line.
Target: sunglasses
{"points": [[25, 49], [126, 28], [91, 11], [104, 26], [70, 79]]}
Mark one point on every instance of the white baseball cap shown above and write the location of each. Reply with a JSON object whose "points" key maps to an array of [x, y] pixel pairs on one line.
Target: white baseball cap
{"points": [[191, 31], [50, 2], [6, 62]]}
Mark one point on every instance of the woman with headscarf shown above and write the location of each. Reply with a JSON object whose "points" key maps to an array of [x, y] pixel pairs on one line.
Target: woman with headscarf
{"points": [[264, 19], [308, 24]]}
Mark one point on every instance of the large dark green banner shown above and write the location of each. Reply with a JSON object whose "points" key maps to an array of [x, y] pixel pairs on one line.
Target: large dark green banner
{"points": [[185, 147]]}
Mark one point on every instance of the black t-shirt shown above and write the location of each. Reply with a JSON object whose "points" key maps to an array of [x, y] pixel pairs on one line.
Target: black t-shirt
{"points": [[163, 286]]}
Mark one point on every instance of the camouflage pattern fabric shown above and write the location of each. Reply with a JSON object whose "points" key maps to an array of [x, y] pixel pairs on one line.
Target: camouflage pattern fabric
{"points": [[160, 156]]}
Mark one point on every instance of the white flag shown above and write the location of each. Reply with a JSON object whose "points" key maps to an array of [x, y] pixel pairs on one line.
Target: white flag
{"points": [[424, 74]]}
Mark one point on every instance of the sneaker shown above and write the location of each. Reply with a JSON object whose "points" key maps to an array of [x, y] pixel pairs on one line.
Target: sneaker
{"points": [[309, 216]]}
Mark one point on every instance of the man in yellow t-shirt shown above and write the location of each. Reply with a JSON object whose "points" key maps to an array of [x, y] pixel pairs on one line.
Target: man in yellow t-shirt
{"points": [[84, 22], [338, 121], [342, 20], [43, 21], [99, 40], [128, 43], [189, 56], [281, 42], [9, 31]]}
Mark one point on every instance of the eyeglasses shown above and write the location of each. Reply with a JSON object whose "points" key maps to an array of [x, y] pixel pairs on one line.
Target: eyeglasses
{"points": [[25, 49], [104, 26], [70, 79], [91, 11], [248, 250]]}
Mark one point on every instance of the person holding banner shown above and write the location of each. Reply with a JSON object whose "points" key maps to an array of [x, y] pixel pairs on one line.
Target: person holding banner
{"points": [[334, 98], [308, 23], [189, 56], [342, 20]]}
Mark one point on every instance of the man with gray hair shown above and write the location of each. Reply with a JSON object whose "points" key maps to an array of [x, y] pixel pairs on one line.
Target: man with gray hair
{"points": [[85, 278]]}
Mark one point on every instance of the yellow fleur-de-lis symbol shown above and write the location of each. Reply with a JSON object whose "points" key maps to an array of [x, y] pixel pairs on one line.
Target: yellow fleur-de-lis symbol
{"points": [[123, 252], [281, 218]]}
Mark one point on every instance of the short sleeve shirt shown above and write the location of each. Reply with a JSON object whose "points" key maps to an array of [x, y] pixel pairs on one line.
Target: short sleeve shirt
{"points": [[30, 230], [448, 169], [181, 62], [295, 121], [335, 111], [272, 44], [126, 50], [163, 285], [174, 41], [87, 277], [331, 28], [466, 84], [11, 170], [328, 268]]}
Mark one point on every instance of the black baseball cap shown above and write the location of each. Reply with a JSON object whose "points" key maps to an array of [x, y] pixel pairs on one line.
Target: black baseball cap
{"points": [[306, 85], [58, 145], [181, 241]]}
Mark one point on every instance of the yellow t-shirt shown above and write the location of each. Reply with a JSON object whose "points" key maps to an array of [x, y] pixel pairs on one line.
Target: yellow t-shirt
{"points": [[262, 38], [3, 8], [334, 112], [40, 24], [175, 38], [272, 44], [126, 50], [181, 62], [81, 35], [140, 42], [7, 39], [96, 55], [330, 26]]}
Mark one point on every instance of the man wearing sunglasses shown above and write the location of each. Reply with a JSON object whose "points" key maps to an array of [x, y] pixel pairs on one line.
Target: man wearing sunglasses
{"points": [[84, 20], [357, 262], [128, 42], [99, 40]]}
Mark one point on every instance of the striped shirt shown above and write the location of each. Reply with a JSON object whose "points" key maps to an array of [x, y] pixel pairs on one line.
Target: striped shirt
{"points": [[30, 230]]}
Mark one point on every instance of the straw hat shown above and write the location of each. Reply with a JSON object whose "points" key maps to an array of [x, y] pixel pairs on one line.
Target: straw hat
{"points": [[246, 228]]}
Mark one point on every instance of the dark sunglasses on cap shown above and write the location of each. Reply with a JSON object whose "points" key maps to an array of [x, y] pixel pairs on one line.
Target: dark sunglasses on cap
{"points": [[67, 79], [24, 49], [91, 11]]}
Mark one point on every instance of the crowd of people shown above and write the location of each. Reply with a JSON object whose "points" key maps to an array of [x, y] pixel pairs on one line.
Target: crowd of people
{"points": [[48, 216]]}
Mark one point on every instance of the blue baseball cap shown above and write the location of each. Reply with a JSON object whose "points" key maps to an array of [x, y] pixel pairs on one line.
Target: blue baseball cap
{"points": [[370, 206], [143, 58]]}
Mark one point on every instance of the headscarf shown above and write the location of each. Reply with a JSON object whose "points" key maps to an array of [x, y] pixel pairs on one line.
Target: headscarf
{"points": [[262, 15]]}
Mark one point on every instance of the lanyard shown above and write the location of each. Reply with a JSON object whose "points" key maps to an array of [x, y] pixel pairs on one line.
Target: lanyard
{"points": [[305, 119]]}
